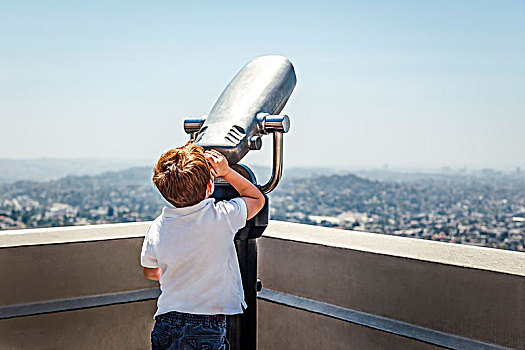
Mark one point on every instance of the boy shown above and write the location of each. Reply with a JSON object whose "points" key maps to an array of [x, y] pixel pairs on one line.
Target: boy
{"points": [[189, 249]]}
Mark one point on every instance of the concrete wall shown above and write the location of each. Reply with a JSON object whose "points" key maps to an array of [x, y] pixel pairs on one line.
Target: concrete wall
{"points": [[123, 326], [476, 293], [484, 302], [281, 327], [71, 263]]}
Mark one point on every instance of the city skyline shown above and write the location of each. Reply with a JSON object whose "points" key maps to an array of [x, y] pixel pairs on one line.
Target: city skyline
{"points": [[410, 85], [486, 209]]}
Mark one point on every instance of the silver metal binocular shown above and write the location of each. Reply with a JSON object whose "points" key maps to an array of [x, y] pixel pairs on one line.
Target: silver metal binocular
{"points": [[247, 109]]}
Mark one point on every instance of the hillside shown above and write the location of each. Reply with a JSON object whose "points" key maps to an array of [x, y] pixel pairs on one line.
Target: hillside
{"points": [[45, 169]]}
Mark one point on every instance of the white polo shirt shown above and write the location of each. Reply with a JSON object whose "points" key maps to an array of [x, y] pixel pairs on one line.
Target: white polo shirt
{"points": [[194, 248]]}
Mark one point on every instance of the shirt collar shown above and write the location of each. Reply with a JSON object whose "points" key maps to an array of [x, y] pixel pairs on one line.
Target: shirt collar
{"points": [[170, 212]]}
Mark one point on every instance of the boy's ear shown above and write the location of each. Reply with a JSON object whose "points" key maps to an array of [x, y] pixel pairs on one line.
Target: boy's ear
{"points": [[210, 187]]}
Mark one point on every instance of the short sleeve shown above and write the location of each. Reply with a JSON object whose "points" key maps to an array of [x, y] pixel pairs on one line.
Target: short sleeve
{"points": [[147, 256], [236, 213]]}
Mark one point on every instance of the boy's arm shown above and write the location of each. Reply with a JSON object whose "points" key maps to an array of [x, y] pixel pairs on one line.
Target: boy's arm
{"points": [[250, 194], [152, 274], [253, 198]]}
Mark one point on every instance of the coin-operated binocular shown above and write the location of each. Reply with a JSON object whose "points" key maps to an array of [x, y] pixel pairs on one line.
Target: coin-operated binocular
{"points": [[248, 109]]}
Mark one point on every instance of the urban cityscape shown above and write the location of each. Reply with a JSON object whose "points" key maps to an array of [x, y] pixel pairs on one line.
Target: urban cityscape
{"points": [[484, 208]]}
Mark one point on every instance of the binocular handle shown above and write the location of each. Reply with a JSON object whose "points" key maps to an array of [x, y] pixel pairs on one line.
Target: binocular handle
{"points": [[277, 167], [272, 123], [192, 125]]}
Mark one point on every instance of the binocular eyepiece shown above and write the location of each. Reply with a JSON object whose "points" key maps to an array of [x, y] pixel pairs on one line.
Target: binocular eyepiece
{"points": [[247, 109]]}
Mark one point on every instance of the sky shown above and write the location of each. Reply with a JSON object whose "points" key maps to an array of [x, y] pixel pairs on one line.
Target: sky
{"points": [[404, 84]]}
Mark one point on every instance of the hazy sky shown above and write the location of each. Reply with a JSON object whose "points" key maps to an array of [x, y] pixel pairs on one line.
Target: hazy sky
{"points": [[404, 83]]}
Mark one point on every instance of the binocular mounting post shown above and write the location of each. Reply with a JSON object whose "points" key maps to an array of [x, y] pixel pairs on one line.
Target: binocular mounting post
{"points": [[247, 109]]}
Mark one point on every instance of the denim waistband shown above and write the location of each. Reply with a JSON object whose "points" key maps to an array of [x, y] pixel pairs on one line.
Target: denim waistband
{"points": [[175, 318]]}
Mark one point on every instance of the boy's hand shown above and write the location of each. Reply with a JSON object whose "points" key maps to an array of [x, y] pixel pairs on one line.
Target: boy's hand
{"points": [[252, 197], [219, 164]]}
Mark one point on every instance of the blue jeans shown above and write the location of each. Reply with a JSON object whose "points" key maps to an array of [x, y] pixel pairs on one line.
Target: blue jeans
{"points": [[180, 331]]}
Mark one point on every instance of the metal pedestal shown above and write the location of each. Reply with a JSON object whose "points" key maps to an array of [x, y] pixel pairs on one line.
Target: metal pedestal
{"points": [[242, 329]]}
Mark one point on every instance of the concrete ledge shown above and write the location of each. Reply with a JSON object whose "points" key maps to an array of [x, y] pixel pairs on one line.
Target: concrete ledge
{"points": [[445, 253], [55, 235]]}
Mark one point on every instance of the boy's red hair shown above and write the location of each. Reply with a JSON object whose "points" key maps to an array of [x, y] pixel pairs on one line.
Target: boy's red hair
{"points": [[182, 174]]}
